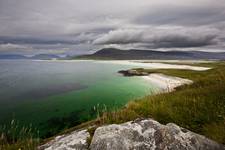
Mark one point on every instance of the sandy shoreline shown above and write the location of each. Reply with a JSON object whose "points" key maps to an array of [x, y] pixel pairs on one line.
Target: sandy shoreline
{"points": [[135, 63], [166, 83], [154, 65]]}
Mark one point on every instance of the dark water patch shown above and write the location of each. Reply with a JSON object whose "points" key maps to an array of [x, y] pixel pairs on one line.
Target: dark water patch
{"points": [[56, 124], [52, 90]]}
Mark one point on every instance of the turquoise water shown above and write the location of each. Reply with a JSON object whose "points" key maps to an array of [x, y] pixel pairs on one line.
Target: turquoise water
{"points": [[46, 93]]}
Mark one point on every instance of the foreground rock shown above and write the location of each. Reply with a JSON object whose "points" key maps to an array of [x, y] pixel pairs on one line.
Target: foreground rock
{"points": [[149, 134], [139, 135], [75, 141]]}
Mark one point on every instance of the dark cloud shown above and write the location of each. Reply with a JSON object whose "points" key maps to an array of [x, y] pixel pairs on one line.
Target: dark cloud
{"points": [[184, 15], [80, 26], [32, 40], [161, 37], [69, 39]]}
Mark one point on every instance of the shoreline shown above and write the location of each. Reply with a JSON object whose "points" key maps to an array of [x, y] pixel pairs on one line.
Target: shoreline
{"points": [[166, 83], [163, 64], [155, 65]]}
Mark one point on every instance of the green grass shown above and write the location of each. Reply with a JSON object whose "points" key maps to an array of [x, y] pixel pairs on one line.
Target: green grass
{"points": [[199, 107], [12, 137]]}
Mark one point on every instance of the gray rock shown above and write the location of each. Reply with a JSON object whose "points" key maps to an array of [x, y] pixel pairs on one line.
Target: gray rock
{"points": [[149, 135], [76, 140]]}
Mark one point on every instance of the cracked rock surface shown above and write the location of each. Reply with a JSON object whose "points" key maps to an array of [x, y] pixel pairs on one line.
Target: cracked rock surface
{"points": [[151, 135], [140, 134], [76, 140]]}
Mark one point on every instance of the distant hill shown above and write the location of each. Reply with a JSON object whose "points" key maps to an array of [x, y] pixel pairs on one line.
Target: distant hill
{"points": [[117, 54], [38, 56], [45, 56], [12, 56]]}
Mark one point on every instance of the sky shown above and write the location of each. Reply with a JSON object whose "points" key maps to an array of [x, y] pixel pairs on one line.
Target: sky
{"points": [[74, 27]]}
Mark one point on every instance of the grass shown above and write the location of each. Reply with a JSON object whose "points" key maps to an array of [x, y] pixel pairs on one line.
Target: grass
{"points": [[199, 107], [91, 131], [12, 137]]}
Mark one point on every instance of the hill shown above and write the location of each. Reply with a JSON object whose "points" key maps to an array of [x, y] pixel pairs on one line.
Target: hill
{"points": [[117, 54], [45, 56], [38, 56], [12, 56]]}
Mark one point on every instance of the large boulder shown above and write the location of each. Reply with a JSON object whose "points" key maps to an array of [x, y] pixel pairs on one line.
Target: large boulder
{"points": [[149, 135], [76, 140], [145, 134]]}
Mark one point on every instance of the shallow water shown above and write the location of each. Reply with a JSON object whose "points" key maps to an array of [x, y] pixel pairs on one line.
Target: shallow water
{"points": [[44, 92]]}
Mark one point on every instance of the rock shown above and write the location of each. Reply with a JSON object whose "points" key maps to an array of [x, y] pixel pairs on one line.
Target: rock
{"points": [[133, 72], [149, 135], [76, 140], [140, 134]]}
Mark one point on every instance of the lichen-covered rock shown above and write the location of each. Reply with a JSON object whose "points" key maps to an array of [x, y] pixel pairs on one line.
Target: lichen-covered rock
{"points": [[76, 140], [149, 135]]}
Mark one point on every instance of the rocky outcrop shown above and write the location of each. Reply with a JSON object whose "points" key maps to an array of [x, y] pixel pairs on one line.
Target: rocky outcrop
{"points": [[151, 135], [140, 135], [133, 72], [76, 140]]}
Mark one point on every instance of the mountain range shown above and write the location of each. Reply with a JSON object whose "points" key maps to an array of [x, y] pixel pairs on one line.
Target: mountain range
{"points": [[117, 54]]}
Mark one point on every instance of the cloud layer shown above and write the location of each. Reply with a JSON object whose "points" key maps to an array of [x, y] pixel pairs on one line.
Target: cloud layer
{"points": [[72, 27], [161, 37]]}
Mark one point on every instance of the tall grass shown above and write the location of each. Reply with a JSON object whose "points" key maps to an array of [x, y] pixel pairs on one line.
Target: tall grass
{"points": [[15, 137]]}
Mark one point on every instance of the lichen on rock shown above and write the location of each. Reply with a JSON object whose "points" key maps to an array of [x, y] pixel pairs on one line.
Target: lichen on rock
{"points": [[149, 135], [141, 134], [76, 140]]}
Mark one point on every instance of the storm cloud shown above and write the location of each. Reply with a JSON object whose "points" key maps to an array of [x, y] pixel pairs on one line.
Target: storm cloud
{"points": [[161, 37], [81, 26]]}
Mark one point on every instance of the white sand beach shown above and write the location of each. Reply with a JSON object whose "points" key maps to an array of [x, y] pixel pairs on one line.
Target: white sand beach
{"points": [[140, 63], [154, 65], [166, 83]]}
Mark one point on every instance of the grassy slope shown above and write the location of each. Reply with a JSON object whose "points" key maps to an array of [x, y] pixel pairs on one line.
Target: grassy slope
{"points": [[199, 107]]}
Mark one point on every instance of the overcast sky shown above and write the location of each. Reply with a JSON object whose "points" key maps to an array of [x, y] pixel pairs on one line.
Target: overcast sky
{"points": [[83, 26]]}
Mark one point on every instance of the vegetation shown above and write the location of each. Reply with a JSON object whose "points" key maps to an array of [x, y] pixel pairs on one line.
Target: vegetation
{"points": [[199, 107], [12, 137], [57, 124], [91, 131]]}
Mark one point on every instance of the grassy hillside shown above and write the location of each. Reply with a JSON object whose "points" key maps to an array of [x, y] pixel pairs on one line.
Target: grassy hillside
{"points": [[199, 107]]}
